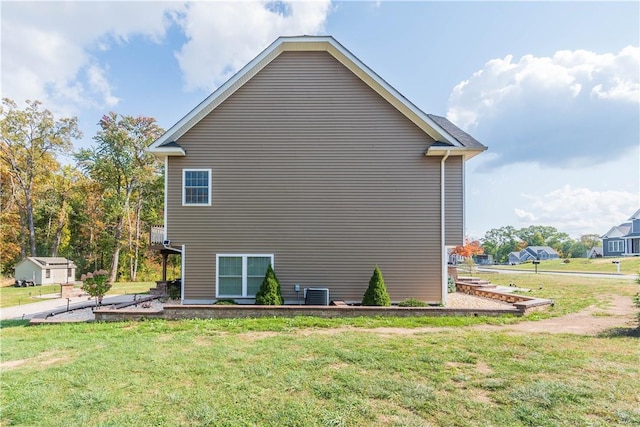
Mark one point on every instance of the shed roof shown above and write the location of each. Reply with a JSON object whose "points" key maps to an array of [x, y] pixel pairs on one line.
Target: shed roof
{"points": [[439, 128], [51, 262]]}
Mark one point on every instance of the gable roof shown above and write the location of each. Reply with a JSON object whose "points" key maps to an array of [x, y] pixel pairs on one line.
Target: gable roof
{"points": [[547, 249], [617, 231], [440, 129]]}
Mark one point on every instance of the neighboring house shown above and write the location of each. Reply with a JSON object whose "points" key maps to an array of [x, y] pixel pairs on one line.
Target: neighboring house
{"points": [[530, 253], [595, 252], [484, 259], [46, 270], [308, 160], [612, 242], [624, 239]]}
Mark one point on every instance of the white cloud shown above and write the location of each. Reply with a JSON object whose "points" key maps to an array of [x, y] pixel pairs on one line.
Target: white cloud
{"points": [[51, 52], [576, 210], [223, 37], [571, 109], [46, 48], [577, 201], [99, 84]]}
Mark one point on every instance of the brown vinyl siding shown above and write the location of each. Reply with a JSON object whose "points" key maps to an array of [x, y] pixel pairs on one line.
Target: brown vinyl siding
{"points": [[311, 165], [454, 201]]}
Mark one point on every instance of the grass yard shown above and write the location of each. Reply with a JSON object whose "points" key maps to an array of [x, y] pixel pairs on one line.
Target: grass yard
{"points": [[199, 373], [628, 265], [11, 296], [569, 293], [326, 372]]}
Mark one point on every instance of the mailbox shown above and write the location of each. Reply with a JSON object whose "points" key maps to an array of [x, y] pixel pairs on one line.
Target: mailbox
{"points": [[535, 263]]}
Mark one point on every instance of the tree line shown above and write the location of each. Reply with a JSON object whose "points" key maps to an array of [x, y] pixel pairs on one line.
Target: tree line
{"points": [[499, 242], [93, 206]]}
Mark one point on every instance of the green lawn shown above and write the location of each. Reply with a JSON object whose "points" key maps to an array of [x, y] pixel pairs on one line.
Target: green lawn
{"points": [[570, 293], [11, 296], [324, 372], [628, 265]]}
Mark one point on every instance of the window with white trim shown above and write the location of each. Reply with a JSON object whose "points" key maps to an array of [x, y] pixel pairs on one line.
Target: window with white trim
{"points": [[196, 187], [240, 276], [616, 246]]}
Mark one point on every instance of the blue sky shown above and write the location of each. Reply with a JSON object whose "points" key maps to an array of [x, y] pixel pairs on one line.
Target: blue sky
{"points": [[552, 88]]}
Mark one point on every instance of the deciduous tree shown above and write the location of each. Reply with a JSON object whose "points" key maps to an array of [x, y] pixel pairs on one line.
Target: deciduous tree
{"points": [[469, 249], [123, 168], [30, 138]]}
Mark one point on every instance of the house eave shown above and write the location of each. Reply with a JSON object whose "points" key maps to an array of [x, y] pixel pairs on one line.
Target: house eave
{"points": [[442, 150], [167, 151]]}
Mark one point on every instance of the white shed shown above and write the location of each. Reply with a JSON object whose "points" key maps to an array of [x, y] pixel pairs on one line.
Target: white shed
{"points": [[46, 270]]}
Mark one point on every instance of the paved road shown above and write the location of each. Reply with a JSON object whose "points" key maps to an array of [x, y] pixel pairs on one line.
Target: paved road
{"points": [[561, 273], [27, 311]]}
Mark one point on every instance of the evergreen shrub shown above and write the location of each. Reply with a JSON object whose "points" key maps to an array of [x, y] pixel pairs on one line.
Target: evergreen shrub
{"points": [[270, 292], [412, 302], [451, 284], [376, 293]]}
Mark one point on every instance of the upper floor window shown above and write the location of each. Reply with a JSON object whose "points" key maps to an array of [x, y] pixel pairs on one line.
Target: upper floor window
{"points": [[196, 187]]}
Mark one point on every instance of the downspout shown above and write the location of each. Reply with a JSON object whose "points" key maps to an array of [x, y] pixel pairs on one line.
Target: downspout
{"points": [[442, 229], [182, 265]]}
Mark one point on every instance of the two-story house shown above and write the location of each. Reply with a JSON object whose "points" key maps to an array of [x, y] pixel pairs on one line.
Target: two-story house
{"points": [[308, 160], [623, 239]]}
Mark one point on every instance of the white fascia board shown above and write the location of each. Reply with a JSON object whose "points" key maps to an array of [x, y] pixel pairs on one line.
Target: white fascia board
{"points": [[167, 151], [468, 153], [305, 43]]}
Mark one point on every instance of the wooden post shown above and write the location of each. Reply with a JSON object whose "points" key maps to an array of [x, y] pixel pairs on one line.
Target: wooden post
{"points": [[165, 255]]}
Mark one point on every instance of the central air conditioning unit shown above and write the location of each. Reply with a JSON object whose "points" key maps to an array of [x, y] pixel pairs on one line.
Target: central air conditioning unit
{"points": [[316, 296]]}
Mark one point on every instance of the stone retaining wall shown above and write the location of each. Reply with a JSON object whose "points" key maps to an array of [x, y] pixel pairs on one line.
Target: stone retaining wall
{"points": [[521, 302], [175, 312]]}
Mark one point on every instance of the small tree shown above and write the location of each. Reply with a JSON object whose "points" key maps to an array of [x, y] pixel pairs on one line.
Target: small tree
{"points": [[376, 293], [270, 292], [96, 284]]}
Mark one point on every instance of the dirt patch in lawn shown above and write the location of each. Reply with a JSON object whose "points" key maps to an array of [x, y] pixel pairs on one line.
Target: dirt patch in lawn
{"points": [[621, 313], [43, 359]]}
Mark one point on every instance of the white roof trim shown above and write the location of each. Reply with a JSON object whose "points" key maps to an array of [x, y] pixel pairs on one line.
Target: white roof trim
{"points": [[441, 150], [168, 151], [613, 233], [303, 43]]}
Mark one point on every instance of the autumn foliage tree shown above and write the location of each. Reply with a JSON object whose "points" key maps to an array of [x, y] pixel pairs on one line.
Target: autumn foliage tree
{"points": [[469, 249], [30, 138]]}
